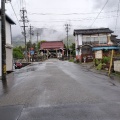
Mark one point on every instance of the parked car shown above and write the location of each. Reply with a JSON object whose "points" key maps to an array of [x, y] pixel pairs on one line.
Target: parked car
{"points": [[18, 65]]}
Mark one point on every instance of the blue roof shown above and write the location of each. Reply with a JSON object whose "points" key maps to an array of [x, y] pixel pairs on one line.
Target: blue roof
{"points": [[106, 48]]}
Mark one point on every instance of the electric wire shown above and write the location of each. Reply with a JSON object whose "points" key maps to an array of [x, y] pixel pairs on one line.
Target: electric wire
{"points": [[75, 19], [99, 13], [16, 16], [117, 15], [70, 13]]}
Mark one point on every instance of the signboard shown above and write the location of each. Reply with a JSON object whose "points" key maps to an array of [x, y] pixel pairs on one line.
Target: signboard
{"points": [[98, 54], [32, 52]]}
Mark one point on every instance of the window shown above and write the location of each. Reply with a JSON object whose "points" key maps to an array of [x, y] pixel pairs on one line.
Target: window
{"points": [[84, 40], [94, 40], [103, 39], [88, 40]]}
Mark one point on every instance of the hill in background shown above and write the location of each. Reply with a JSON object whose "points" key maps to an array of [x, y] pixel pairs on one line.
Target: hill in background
{"points": [[44, 34]]}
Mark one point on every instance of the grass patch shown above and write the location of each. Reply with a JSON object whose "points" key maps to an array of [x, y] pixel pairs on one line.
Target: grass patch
{"points": [[71, 60]]}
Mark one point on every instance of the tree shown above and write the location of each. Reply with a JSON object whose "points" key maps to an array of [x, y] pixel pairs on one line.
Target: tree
{"points": [[29, 45], [17, 53], [39, 43], [73, 48]]}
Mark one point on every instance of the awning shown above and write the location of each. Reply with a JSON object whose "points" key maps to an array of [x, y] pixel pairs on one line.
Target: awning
{"points": [[106, 48]]}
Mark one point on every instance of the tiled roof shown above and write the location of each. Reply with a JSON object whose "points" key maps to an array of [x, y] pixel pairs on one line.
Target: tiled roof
{"points": [[92, 31], [52, 45], [114, 39]]}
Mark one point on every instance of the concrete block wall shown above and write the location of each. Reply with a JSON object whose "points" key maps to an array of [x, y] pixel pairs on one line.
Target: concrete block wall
{"points": [[117, 66]]}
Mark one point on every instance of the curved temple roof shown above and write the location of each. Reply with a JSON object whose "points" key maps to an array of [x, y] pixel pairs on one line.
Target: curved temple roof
{"points": [[52, 45]]}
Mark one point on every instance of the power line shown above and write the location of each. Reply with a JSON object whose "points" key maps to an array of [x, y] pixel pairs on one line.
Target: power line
{"points": [[70, 13], [16, 2], [75, 19], [16, 16], [117, 15], [99, 13]]}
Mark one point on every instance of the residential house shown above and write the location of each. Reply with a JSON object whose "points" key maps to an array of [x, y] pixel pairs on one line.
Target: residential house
{"points": [[89, 40], [9, 51]]}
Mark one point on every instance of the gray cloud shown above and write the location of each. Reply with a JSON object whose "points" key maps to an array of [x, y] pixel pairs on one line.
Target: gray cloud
{"points": [[112, 4]]}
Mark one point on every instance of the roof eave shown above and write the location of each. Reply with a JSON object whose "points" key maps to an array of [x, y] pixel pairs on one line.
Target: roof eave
{"points": [[10, 20]]}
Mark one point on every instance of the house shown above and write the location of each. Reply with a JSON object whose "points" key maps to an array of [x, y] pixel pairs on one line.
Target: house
{"points": [[9, 51], [91, 42], [53, 48]]}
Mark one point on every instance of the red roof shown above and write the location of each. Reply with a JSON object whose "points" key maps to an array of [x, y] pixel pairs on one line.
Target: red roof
{"points": [[52, 45]]}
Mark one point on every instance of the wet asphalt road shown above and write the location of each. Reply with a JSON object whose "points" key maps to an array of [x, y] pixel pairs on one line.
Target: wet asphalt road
{"points": [[59, 90]]}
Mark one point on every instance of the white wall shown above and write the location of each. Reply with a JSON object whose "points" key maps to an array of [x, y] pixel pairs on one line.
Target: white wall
{"points": [[8, 50], [76, 43], [8, 33], [80, 39]]}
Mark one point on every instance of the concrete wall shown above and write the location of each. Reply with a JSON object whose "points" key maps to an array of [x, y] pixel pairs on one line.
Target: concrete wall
{"points": [[9, 58], [117, 66]]}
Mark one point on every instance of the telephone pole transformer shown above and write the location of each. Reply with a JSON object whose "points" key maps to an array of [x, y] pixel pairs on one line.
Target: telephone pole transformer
{"points": [[67, 28], [24, 20]]}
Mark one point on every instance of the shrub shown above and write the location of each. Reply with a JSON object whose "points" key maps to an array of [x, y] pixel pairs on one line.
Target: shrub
{"points": [[71, 60], [106, 59], [99, 67]]}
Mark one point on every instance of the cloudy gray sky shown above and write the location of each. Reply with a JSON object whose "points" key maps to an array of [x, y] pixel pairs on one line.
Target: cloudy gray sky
{"points": [[54, 14]]}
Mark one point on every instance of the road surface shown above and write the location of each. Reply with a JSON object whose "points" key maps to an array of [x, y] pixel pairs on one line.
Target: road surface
{"points": [[59, 90]]}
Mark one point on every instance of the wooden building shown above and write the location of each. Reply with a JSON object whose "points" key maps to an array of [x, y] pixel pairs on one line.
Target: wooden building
{"points": [[52, 48], [89, 41]]}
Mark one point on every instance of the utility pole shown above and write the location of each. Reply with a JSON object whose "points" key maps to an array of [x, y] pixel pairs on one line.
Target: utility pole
{"points": [[24, 20], [3, 39], [37, 44], [67, 30], [31, 33]]}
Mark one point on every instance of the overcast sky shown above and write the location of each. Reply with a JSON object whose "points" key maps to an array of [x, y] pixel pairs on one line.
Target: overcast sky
{"points": [[55, 14]]}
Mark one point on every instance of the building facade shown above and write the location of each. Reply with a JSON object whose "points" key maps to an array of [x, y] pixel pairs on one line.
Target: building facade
{"points": [[89, 40], [52, 48], [9, 51]]}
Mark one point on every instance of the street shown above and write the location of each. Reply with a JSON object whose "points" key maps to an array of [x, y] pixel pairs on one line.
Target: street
{"points": [[59, 90]]}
